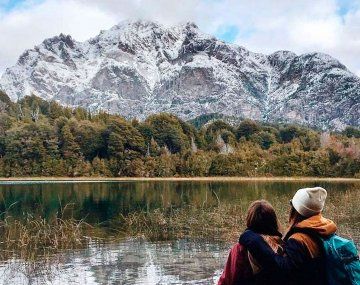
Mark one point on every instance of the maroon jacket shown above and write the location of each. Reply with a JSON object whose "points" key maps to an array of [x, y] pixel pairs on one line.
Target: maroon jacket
{"points": [[237, 270]]}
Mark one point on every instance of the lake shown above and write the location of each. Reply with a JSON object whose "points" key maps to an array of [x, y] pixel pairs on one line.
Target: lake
{"points": [[137, 260]]}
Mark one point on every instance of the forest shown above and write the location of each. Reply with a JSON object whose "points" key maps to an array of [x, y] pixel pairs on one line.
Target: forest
{"points": [[40, 138]]}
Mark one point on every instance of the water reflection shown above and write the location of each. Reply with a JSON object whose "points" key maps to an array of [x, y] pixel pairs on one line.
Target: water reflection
{"points": [[140, 262], [103, 201], [128, 262]]}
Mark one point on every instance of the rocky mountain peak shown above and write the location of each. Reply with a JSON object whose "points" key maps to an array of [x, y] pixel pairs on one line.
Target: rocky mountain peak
{"points": [[282, 56], [190, 26], [137, 68]]}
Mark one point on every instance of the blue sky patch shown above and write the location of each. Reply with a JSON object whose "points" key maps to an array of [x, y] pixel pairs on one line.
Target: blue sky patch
{"points": [[228, 33], [9, 5], [346, 6], [231, 33]]}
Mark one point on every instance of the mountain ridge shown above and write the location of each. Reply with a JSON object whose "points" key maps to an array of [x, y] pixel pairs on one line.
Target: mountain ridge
{"points": [[137, 68]]}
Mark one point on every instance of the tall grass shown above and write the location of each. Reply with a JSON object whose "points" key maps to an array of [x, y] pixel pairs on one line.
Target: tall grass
{"points": [[225, 222], [34, 236], [220, 222]]}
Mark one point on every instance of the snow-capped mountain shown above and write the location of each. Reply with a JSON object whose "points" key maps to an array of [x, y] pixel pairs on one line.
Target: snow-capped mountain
{"points": [[138, 68]]}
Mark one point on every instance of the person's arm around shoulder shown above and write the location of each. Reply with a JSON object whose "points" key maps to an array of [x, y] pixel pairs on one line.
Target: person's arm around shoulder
{"points": [[236, 268], [287, 264]]}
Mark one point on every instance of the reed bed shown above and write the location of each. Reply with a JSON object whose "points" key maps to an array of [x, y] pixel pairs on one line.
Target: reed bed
{"points": [[225, 222], [216, 223], [38, 233], [33, 236]]}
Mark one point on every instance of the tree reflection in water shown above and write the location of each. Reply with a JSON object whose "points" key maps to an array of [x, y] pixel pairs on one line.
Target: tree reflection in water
{"points": [[127, 262], [134, 261]]}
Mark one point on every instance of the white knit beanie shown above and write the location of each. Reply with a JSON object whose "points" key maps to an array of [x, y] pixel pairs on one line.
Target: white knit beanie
{"points": [[309, 201]]}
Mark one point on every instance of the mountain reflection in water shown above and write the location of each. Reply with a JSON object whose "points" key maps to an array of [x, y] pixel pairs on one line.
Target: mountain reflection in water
{"points": [[134, 261], [127, 262]]}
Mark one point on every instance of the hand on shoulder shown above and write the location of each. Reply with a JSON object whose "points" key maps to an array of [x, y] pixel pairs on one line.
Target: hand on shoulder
{"points": [[248, 236]]}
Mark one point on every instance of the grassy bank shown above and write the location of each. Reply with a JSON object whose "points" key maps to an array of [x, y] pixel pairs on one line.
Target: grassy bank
{"points": [[224, 222], [220, 223], [29, 236], [34, 236], [210, 178]]}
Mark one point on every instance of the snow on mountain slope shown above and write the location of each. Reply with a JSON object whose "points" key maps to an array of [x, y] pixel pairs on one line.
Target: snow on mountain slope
{"points": [[138, 67]]}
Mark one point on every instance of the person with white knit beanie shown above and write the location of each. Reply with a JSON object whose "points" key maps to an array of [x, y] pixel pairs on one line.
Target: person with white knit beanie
{"points": [[309, 201], [303, 261]]}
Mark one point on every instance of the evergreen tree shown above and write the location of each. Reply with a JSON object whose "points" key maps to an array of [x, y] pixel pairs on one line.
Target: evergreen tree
{"points": [[99, 167], [42, 138], [246, 129], [70, 151]]}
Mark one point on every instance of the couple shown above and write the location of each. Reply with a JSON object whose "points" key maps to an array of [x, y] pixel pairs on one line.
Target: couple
{"points": [[262, 256]]}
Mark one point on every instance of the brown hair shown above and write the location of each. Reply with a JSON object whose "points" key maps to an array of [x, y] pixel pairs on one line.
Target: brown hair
{"points": [[295, 217], [261, 218]]}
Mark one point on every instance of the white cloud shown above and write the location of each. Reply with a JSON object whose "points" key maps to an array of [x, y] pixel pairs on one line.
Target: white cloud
{"points": [[163, 11], [25, 27], [301, 26], [264, 25]]}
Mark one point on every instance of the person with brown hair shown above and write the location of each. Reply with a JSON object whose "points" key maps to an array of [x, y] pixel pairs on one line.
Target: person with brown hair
{"points": [[241, 267], [303, 261]]}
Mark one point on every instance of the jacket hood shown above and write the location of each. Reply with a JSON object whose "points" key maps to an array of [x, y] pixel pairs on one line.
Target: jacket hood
{"points": [[319, 224]]}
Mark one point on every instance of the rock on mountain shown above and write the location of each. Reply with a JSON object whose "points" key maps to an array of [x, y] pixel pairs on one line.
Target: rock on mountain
{"points": [[138, 68]]}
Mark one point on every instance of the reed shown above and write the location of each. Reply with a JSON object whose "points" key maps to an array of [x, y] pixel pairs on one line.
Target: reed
{"points": [[225, 222], [34, 236]]}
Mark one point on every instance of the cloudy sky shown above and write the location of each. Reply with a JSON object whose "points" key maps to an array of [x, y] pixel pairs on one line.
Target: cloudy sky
{"points": [[330, 26]]}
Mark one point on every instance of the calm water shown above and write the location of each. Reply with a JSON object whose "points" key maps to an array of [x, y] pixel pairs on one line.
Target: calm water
{"points": [[134, 261], [128, 262]]}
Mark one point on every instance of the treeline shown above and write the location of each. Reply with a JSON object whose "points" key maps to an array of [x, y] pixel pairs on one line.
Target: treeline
{"points": [[39, 138]]}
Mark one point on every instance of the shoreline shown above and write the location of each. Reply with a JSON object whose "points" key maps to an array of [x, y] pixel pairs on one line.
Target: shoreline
{"points": [[170, 179]]}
